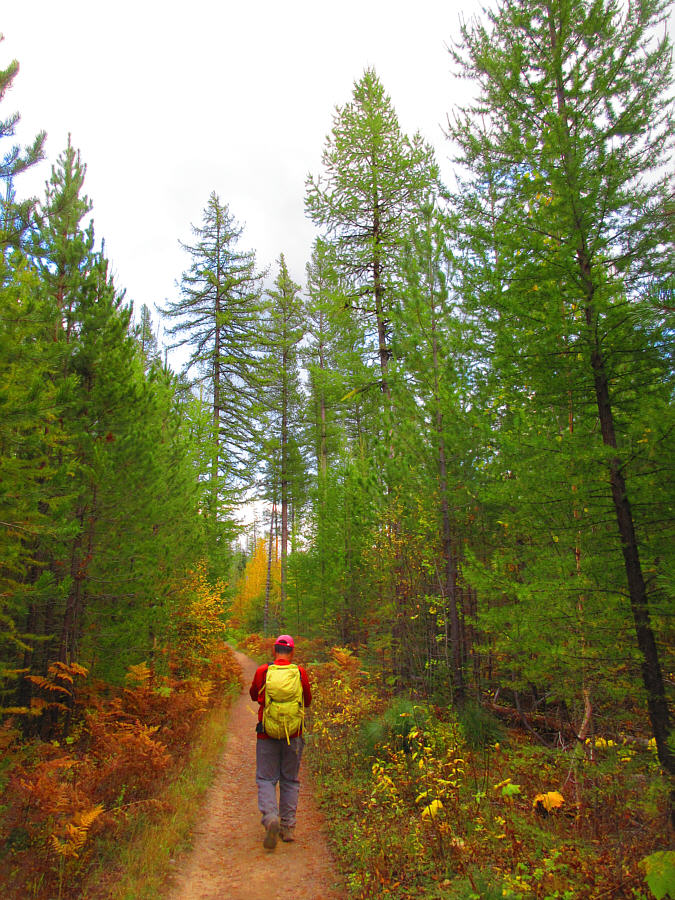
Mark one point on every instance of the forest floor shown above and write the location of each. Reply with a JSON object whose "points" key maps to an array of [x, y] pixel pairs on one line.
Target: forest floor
{"points": [[228, 858]]}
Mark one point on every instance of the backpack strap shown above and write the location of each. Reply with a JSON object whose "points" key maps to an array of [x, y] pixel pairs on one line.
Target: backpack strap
{"points": [[260, 692]]}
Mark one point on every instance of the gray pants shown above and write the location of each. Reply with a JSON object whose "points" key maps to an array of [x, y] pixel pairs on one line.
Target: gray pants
{"points": [[277, 761]]}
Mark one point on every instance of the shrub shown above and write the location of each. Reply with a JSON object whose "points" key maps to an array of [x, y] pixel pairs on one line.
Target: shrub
{"points": [[392, 727], [479, 727]]}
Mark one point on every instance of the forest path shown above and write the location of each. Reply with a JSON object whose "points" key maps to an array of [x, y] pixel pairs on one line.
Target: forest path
{"points": [[228, 861]]}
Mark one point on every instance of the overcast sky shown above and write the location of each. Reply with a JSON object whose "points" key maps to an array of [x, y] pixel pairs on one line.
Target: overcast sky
{"points": [[168, 102]]}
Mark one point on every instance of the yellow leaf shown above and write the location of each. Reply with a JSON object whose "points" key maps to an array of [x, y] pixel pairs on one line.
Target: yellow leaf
{"points": [[432, 810], [550, 800], [349, 395]]}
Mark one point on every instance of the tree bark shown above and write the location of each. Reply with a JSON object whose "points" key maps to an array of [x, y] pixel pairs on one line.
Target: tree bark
{"points": [[652, 678], [284, 490], [268, 583]]}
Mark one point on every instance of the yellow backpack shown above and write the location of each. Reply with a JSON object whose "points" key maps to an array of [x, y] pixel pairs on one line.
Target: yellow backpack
{"points": [[284, 711]]}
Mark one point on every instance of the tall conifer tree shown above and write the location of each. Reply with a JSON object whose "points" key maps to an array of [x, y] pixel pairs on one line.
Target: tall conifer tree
{"points": [[13, 161], [373, 181], [284, 332], [217, 317], [566, 146]]}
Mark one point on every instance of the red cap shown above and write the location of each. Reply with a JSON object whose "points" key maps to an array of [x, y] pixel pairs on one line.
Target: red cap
{"points": [[285, 640]]}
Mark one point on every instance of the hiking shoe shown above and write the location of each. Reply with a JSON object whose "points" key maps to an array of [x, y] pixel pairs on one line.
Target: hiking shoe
{"points": [[271, 835], [287, 833]]}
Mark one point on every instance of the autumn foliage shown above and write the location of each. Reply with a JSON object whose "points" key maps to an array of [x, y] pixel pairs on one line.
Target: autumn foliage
{"points": [[428, 803], [307, 650], [249, 598], [110, 752]]}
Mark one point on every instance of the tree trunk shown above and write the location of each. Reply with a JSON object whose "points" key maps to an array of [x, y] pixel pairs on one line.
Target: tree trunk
{"points": [[378, 291], [268, 583], [284, 490], [652, 678], [657, 704], [216, 375], [450, 561]]}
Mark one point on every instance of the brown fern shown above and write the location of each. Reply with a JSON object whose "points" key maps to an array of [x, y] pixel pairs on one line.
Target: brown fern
{"points": [[76, 833]]}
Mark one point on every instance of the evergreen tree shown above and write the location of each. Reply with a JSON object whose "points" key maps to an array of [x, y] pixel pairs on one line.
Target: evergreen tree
{"points": [[373, 181], [428, 398], [146, 337], [26, 397], [109, 515], [218, 316], [15, 160], [64, 250], [324, 308], [566, 146], [284, 332]]}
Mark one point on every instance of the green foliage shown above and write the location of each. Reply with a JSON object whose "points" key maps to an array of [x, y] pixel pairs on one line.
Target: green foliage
{"points": [[556, 260], [392, 727], [99, 458], [431, 817], [217, 317], [480, 729], [659, 870]]}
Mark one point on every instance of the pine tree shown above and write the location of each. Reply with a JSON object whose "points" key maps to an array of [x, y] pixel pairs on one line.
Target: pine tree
{"points": [[373, 181], [566, 146], [218, 317], [16, 159], [26, 397], [63, 248], [146, 337]]}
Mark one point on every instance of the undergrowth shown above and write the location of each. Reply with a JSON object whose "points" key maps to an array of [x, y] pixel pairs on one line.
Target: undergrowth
{"points": [[261, 648], [78, 803], [422, 805]]}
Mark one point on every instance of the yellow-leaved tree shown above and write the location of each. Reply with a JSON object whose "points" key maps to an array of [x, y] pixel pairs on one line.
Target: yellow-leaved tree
{"points": [[200, 616], [258, 584]]}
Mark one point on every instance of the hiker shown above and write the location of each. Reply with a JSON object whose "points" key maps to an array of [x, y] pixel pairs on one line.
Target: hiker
{"points": [[283, 692]]}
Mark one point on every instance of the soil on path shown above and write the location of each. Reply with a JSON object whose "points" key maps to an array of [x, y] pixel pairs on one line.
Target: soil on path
{"points": [[228, 861]]}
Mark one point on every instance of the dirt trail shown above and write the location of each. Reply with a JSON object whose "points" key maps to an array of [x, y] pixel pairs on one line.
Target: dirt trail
{"points": [[228, 861]]}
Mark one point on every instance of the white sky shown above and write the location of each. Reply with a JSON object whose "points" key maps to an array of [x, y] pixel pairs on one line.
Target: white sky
{"points": [[168, 102]]}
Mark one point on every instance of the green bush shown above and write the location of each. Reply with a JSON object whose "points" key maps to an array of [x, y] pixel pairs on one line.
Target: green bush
{"points": [[479, 727], [392, 727]]}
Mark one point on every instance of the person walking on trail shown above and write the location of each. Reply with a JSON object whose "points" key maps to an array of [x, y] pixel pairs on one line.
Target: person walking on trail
{"points": [[283, 693]]}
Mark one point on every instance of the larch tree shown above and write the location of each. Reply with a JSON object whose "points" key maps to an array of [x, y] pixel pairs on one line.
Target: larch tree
{"points": [[566, 146], [425, 355], [324, 310], [283, 333], [217, 316], [372, 183], [366, 198]]}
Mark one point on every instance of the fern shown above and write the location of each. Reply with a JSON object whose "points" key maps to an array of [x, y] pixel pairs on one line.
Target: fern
{"points": [[76, 833], [46, 685], [139, 673]]}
